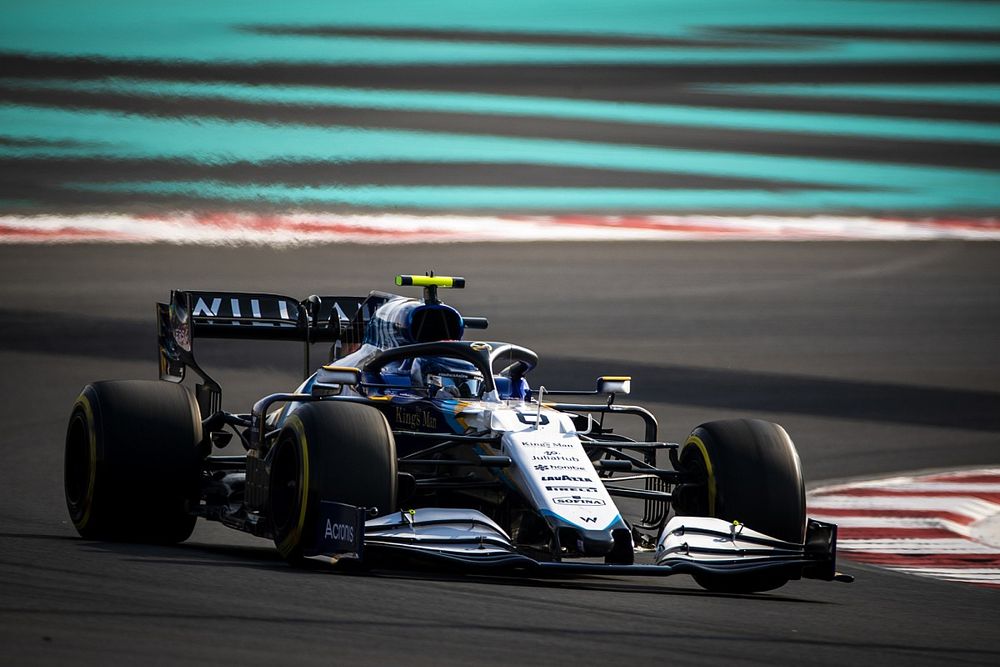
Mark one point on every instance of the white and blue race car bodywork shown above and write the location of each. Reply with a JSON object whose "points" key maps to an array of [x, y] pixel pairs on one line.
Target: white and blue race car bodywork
{"points": [[494, 476]]}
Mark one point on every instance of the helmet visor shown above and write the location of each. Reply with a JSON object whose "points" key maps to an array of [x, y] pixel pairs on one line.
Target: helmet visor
{"points": [[457, 385]]}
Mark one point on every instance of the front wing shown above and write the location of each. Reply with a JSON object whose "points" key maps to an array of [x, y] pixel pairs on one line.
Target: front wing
{"points": [[687, 545]]}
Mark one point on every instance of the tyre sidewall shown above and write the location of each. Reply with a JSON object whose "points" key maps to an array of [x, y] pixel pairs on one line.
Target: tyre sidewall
{"points": [[142, 459], [80, 465], [291, 537], [754, 476]]}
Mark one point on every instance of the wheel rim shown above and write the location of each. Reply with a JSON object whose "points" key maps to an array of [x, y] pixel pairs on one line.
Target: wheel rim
{"points": [[694, 497], [285, 491], [78, 464]]}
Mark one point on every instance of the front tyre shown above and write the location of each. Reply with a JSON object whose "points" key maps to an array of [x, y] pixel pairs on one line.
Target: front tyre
{"points": [[132, 466], [328, 450], [744, 470]]}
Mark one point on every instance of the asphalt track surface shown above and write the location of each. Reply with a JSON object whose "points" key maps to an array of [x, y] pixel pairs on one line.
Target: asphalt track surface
{"points": [[876, 357]]}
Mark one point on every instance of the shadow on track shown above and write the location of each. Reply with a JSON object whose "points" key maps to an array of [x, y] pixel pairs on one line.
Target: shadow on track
{"points": [[123, 339], [820, 397]]}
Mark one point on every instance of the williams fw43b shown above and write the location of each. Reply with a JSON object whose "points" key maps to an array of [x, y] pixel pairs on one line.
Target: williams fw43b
{"points": [[415, 445]]}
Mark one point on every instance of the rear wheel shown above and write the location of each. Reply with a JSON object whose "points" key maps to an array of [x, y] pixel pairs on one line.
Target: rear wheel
{"points": [[328, 450], [132, 466], [744, 470]]}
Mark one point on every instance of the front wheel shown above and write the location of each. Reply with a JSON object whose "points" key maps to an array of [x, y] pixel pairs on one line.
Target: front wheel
{"points": [[744, 470], [328, 450]]}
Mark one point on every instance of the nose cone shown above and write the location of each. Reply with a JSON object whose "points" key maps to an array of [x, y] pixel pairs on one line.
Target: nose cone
{"points": [[575, 541], [597, 542]]}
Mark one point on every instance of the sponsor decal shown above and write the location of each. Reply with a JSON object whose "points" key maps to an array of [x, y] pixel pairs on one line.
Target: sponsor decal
{"points": [[201, 308], [577, 500], [542, 467], [572, 489], [554, 457], [549, 445], [339, 531], [243, 308], [416, 420], [566, 478], [589, 519]]}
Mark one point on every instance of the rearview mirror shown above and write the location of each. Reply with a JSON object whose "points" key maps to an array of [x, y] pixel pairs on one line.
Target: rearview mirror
{"points": [[331, 379], [614, 384]]}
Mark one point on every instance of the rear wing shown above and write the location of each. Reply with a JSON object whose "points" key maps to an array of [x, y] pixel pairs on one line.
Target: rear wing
{"points": [[261, 316], [248, 316]]}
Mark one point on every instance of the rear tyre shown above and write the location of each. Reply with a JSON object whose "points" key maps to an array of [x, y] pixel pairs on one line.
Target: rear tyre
{"points": [[745, 470], [132, 467], [328, 450]]}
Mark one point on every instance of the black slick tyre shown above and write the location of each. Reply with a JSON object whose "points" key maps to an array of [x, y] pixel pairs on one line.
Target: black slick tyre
{"points": [[745, 470], [132, 467], [328, 450]]}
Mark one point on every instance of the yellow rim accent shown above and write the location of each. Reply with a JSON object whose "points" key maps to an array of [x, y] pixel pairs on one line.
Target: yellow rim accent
{"points": [[88, 498], [295, 535], [616, 378], [331, 367], [696, 441]]}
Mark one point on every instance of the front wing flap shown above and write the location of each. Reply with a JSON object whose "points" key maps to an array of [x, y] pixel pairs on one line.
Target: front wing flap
{"points": [[687, 545], [458, 535], [702, 544]]}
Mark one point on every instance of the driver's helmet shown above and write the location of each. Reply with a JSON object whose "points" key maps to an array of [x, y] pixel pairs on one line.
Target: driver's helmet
{"points": [[441, 375]]}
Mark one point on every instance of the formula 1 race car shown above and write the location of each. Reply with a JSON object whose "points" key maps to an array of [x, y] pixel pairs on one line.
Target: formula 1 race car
{"points": [[414, 445]]}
